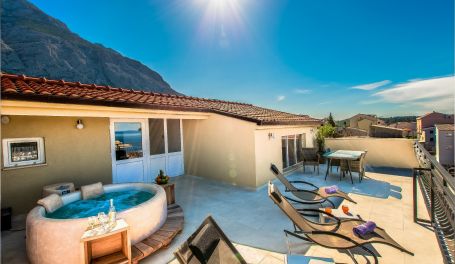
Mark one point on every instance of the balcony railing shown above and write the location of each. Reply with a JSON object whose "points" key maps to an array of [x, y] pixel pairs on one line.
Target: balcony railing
{"points": [[438, 189]]}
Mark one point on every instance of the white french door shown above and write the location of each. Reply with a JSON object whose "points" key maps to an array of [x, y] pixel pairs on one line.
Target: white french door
{"points": [[291, 149], [143, 147], [166, 146], [129, 150]]}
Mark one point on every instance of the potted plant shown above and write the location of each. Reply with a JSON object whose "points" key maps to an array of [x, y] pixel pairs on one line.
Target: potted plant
{"points": [[161, 178], [323, 132]]}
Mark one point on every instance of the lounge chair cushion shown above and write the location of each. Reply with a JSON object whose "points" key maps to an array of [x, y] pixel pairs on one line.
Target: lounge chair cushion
{"points": [[92, 190], [51, 202]]}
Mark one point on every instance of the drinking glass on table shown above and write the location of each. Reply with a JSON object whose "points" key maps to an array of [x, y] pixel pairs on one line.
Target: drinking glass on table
{"points": [[102, 217], [328, 210], [345, 209]]}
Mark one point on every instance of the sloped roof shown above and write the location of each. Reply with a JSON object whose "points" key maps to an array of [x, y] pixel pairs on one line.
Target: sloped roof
{"points": [[26, 88], [445, 127]]}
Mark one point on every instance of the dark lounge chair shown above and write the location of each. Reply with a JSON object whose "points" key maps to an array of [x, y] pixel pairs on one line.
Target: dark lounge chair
{"points": [[337, 235], [208, 244], [314, 196]]}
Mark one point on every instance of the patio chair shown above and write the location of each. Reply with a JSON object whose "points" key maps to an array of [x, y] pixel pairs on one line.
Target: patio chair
{"points": [[315, 196], [337, 235], [208, 244], [310, 156], [355, 166]]}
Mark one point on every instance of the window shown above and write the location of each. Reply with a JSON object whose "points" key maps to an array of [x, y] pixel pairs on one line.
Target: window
{"points": [[299, 148], [128, 140], [431, 131], [284, 151], [156, 135], [23, 151], [431, 139], [291, 149], [173, 135]]}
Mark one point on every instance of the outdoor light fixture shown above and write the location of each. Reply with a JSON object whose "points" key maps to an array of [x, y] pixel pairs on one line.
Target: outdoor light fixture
{"points": [[5, 120], [79, 124], [271, 135]]}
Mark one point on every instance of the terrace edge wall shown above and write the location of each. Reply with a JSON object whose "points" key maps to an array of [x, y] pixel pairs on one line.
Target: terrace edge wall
{"points": [[382, 152], [220, 148], [72, 155]]}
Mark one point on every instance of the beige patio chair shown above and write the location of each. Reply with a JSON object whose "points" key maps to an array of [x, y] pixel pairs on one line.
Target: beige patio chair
{"points": [[355, 166], [310, 156], [337, 235]]}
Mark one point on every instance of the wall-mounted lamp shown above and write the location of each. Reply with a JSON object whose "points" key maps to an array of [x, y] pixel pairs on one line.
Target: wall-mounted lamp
{"points": [[271, 135], [5, 120], [79, 124], [311, 130]]}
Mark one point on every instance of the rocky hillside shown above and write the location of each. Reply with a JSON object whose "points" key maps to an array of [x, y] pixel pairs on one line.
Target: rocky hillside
{"points": [[33, 43]]}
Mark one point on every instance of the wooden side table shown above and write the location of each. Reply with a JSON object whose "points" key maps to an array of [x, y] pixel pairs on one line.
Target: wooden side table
{"points": [[111, 247], [170, 193]]}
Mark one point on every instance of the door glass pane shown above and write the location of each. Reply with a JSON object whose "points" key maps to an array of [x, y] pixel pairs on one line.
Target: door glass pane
{"points": [[299, 148], [128, 140], [284, 151], [156, 134], [291, 150], [173, 135]]}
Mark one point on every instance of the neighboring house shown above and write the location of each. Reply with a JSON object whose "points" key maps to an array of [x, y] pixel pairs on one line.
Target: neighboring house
{"points": [[352, 132], [381, 131], [429, 120], [364, 121], [444, 134], [55, 131], [429, 138], [410, 128]]}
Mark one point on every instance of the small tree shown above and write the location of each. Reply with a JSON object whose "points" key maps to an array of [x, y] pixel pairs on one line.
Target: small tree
{"points": [[324, 131], [330, 120]]}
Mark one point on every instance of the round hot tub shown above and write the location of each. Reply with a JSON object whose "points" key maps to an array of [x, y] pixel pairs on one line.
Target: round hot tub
{"points": [[55, 238]]}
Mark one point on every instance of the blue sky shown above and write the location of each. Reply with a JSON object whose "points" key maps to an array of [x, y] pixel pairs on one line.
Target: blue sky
{"points": [[313, 57]]}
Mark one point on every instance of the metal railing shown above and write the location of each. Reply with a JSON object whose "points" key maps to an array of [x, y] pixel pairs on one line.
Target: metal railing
{"points": [[438, 189]]}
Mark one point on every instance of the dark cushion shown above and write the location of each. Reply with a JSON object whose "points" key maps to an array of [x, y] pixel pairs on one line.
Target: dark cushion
{"points": [[205, 243]]}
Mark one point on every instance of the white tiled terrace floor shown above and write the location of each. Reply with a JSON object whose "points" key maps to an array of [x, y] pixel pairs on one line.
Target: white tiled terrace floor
{"points": [[250, 218]]}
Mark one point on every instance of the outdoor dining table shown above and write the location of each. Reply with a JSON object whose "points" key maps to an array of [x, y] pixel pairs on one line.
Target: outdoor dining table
{"points": [[343, 156]]}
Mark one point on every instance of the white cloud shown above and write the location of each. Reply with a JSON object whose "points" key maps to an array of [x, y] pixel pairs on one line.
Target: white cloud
{"points": [[302, 91], [430, 94], [325, 102], [369, 102], [371, 86], [280, 98]]}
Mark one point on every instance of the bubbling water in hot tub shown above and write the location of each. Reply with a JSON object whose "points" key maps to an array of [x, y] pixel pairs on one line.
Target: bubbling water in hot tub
{"points": [[85, 208]]}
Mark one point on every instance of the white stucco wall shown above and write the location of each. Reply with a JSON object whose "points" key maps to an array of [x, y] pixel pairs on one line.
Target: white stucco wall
{"points": [[445, 147], [268, 150]]}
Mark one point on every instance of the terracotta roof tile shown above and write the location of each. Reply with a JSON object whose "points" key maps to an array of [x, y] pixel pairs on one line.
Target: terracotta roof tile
{"points": [[21, 87]]}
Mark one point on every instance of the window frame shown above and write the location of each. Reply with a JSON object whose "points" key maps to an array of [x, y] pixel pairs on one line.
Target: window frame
{"points": [[7, 154], [286, 163]]}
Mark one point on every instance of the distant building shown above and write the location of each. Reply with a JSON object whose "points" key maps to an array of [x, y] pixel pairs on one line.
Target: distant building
{"points": [[425, 127], [445, 144], [364, 121], [381, 131], [410, 128]]}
